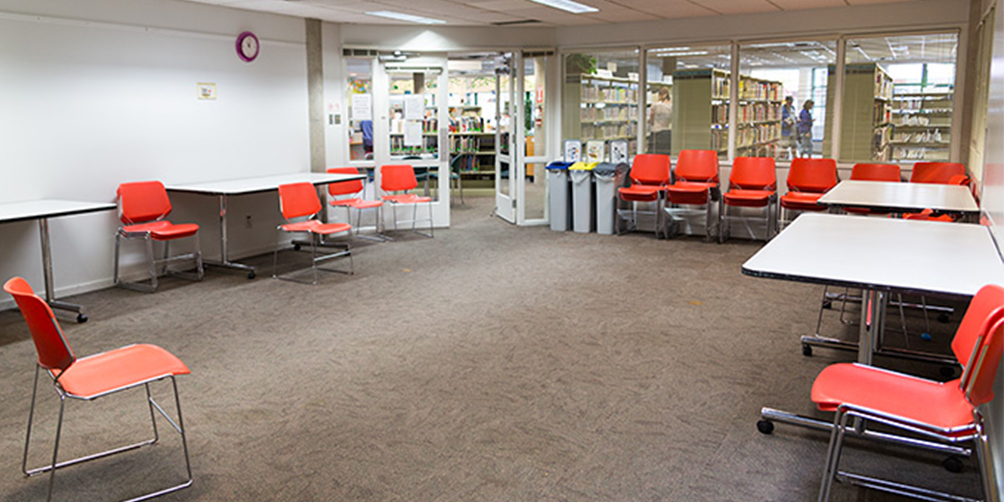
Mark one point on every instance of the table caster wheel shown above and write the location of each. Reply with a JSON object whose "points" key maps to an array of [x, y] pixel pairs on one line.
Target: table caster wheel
{"points": [[81, 318], [827, 304], [251, 274], [952, 464], [765, 426], [807, 350], [296, 247]]}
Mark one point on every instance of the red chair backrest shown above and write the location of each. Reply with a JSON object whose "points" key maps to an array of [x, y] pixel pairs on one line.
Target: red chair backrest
{"points": [[142, 201], [650, 169], [54, 352], [981, 386], [753, 173], [812, 175], [875, 172], [984, 309], [697, 165], [345, 187], [936, 172], [298, 199], [397, 177]]}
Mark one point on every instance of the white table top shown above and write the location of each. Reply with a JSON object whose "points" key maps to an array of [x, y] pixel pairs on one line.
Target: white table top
{"points": [[921, 257], [901, 197], [49, 208], [259, 184]]}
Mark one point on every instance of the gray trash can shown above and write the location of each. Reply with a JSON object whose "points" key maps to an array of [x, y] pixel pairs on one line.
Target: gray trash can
{"points": [[559, 202], [583, 211], [608, 177]]}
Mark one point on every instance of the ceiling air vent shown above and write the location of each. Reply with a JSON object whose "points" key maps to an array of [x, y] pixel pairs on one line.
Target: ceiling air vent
{"points": [[516, 23]]}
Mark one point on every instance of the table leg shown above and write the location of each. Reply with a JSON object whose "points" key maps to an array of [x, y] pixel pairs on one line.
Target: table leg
{"points": [[224, 252], [50, 294]]}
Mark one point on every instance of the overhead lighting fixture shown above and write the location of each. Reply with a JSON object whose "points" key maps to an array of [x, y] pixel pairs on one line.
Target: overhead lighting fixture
{"points": [[567, 5], [400, 16]]}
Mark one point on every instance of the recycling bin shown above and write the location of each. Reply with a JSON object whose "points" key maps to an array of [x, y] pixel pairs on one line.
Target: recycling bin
{"points": [[583, 212], [607, 176], [559, 201]]}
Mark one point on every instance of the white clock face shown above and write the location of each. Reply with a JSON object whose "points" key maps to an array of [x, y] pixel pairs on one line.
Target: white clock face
{"points": [[249, 47]]}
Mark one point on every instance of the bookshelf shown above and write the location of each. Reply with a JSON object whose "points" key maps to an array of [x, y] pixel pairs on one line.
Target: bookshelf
{"points": [[701, 113], [470, 141], [921, 125], [608, 109], [866, 117]]}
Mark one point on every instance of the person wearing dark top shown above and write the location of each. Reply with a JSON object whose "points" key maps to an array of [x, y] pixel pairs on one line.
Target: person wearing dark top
{"points": [[805, 129]]}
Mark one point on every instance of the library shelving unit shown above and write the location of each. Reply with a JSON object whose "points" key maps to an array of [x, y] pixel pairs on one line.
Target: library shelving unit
{"points": [[471, 145], [701, 113], [867, 112], [608, 109], [921, 125]]}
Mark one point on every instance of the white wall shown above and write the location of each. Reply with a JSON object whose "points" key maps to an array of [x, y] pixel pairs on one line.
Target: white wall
{"points": [[90, 104]]}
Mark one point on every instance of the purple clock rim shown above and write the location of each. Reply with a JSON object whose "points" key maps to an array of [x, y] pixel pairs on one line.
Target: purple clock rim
{"points": [[240, 40]]}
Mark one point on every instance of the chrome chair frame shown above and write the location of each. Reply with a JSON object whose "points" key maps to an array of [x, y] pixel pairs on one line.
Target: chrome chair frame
{"points": [[155, 263], [414, 217], [725, 223], [178, 426], [660, 206], [315, 259], [711, 225]]}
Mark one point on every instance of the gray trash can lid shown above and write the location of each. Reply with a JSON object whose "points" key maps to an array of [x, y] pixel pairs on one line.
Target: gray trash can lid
{"points": [[609, 168], [559, 165]]}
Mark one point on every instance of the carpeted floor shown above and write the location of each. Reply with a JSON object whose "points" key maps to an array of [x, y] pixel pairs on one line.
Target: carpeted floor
{"points": [[491, 363]]}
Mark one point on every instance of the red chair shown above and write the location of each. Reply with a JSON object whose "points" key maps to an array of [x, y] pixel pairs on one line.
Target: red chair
{"points": [[91, 377], [649, 177], [873, 172], [143, 208], [945, 173], [696, 183], [808, 179], [752, 183], [945, 412], [939, 172], [401, 178], [351, 193], [299, 200]]}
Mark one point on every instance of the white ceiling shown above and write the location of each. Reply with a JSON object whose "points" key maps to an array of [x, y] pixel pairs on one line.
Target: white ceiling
{"points": [[489, 12]]}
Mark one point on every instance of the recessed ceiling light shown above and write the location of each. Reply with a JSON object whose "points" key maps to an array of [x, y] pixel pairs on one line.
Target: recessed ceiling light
{"points": [[568, 5], [400, 16]]}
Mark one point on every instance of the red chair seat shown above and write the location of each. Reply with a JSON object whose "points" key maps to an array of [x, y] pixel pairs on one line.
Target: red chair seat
{"points": [[317, 227], [407, 198], [928, 215], [641, 193], [747, 198], [938, 404], [163, 230], [689, 192], [802, 201], [356, 203], [95, 375]]}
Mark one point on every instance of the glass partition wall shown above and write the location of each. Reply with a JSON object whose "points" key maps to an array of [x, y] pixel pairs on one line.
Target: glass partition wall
{"points": [[896, 102]]}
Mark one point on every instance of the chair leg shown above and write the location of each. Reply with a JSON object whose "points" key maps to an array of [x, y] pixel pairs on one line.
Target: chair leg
{"points": [[983, 460], [833, 454], [55, 447], [31, 418], [153, 419], [153, 263], [167, 254], [118, 241]]}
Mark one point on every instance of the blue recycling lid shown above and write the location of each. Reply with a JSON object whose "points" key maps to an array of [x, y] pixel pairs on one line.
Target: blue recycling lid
{"points": [[559, 165]]}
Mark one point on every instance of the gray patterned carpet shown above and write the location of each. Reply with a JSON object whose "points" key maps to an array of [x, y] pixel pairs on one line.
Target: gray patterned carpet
{"points": [[491, 363]]}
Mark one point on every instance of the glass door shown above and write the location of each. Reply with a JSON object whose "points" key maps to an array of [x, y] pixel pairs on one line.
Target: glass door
{"points": [[531, 188], [411, 107], [507, 120]]}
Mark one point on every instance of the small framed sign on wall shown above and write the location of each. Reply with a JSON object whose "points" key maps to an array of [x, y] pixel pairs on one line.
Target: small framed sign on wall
{"points": [[206, 90]]}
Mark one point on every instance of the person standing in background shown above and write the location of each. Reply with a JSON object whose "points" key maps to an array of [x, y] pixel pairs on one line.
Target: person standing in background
{"points": [[788, 116], [805, 129], [660, 118]]}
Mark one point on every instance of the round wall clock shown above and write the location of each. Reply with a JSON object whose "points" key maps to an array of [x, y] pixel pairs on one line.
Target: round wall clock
{"points": [[247, 46]]}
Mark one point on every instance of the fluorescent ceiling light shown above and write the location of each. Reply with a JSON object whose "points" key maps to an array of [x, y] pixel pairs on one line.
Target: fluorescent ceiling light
{"points": [[567, 5], [400, 16]]}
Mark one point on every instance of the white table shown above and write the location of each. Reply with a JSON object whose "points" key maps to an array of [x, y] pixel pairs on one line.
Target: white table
{"points": [[223, 189], [901, 197], [879, 256], [42, 210]]}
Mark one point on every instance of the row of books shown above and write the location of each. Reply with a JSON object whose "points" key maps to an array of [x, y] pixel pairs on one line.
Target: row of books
{"points": [[429, 145], [609, 94], [607, 131], [608, 113], [472, 144], [761, 133], [467, 124], [756, 89]]}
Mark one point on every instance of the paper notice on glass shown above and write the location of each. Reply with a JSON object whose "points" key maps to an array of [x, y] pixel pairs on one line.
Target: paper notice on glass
{"points": [[414, 107], [362, 107], [412, 133]]}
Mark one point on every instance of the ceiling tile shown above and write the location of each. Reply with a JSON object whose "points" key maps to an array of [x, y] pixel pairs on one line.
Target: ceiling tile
{"points": [[737, 6], [669, 9], [807, 4], [621, 16], [504, 5]]}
